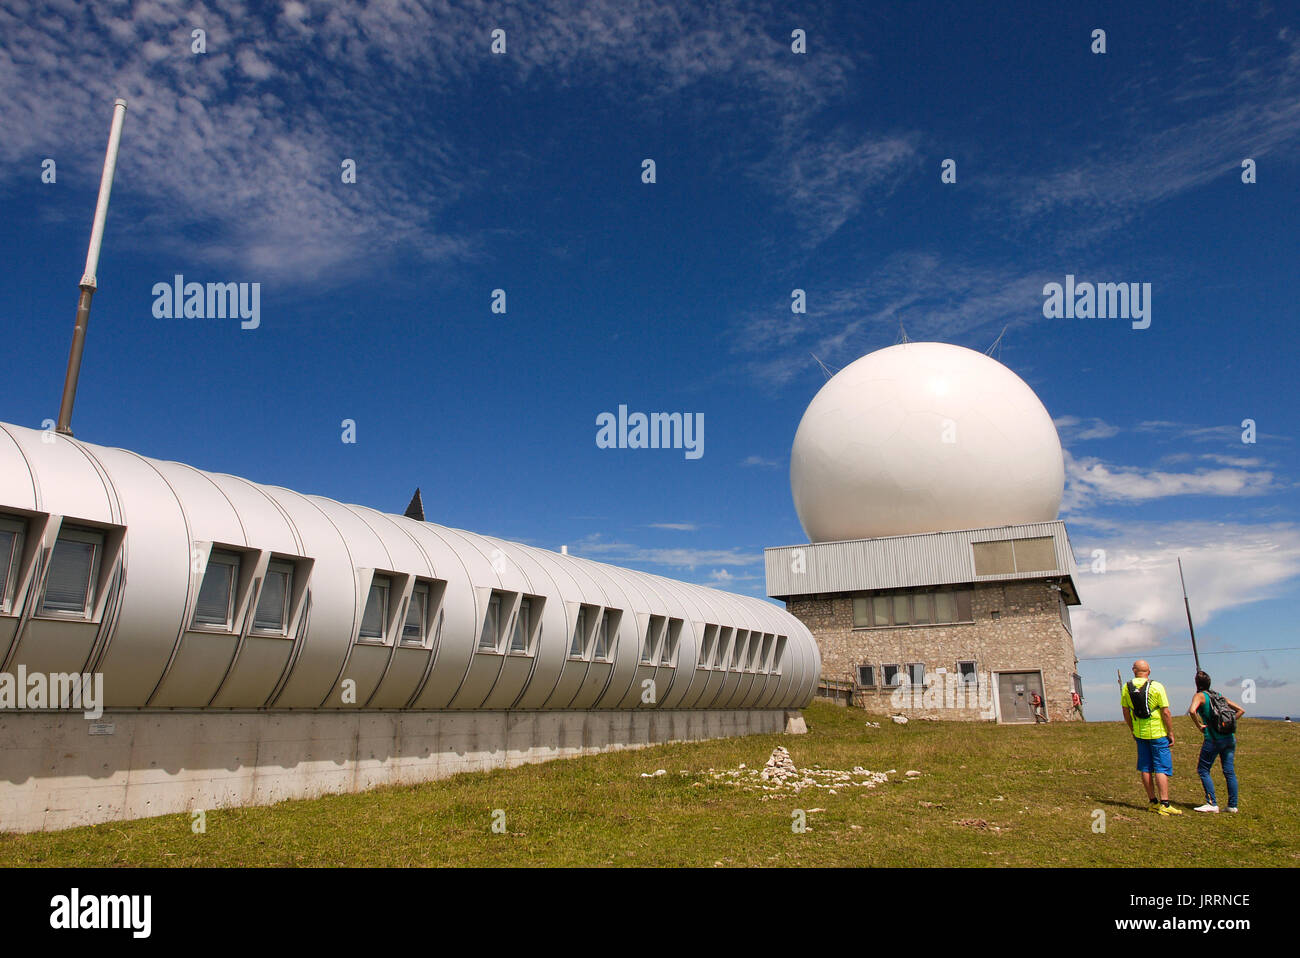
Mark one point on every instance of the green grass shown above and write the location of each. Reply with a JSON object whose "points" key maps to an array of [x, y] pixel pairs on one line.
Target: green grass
{"points": [[1038, 785]]}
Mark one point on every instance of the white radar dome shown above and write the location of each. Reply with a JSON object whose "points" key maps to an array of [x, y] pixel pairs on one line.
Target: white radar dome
{"points": [[924, 437]]}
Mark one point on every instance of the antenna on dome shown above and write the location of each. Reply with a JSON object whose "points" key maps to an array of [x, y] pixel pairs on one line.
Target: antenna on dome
{"points": [[902, 334], [828, 373], [997, 343]]}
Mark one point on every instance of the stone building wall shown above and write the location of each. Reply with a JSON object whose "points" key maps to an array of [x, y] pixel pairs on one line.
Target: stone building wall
{"points": [[1027, 635]]}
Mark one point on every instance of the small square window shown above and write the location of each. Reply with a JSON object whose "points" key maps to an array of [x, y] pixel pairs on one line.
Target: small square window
{"points": [[650, 644], [966, 670], [578, 646], [945, 607], [519, 638], [672, 637], [606, 635], [916, 674], [707, 646], [778, 662], [416, 626], [272, 613], [490, 640], [216, 604], [902, 607], [867, 676], [921, 614], [891, 675], [720, 651], [374, 621], [11, 553]]}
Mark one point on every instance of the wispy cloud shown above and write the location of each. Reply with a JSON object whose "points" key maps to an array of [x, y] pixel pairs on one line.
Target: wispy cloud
{"points": [[1072, 428], [675, 526], [233, 156], [1137, 603], [760, 462], [597, 547], [1090, 480]]}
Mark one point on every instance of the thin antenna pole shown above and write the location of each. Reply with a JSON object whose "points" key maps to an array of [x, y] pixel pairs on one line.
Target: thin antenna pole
{"points": [[997, 342], [828, 373], [1188, 607], [87, 284]]}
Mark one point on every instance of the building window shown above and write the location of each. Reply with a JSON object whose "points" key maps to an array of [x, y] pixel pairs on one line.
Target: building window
{"points": [[272, 613], [651, 643], [890, 673], [523, 627], [1008, 556], [899, 609], [1035, 555], [993, 558], [578, 647], [606, 635], [902, 610], [966, 672], [216, 605], [778, 661], [916, 673], [416, 626], [1065, 612], [11, 554], [739, 651], [490, 640], [374, 621], [707, 645], [756, 652], [945, 607], [720, 652], [671, 638], [867, 676]]}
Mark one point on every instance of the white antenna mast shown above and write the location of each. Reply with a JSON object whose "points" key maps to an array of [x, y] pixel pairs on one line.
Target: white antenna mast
{"points": [[87, 284]]}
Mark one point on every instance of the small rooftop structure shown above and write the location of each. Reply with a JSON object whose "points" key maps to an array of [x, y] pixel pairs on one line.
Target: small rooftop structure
{"points": [[1036, 550]]}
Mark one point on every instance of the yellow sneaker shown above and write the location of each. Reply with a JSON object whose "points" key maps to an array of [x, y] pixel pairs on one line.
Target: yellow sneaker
{"points": [[1168, 810]]}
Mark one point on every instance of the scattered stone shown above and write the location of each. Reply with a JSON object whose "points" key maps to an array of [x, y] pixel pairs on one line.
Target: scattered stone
{"points": [[899, 719], [873, 725], [856, 828], [781, 774], [911, 773]]}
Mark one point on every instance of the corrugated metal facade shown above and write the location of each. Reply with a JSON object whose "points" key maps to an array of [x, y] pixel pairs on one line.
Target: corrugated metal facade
{"points": [[896, 562]]}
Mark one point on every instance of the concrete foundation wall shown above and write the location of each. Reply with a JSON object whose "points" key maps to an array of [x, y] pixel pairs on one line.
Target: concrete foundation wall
{"points": [[54, 773]]}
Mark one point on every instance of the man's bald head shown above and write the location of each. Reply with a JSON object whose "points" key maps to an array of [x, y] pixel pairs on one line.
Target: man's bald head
{"points": [[1141, 669]]}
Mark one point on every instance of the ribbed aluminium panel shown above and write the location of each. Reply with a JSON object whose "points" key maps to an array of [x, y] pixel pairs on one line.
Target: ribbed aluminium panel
{"points": [[935, 558]]}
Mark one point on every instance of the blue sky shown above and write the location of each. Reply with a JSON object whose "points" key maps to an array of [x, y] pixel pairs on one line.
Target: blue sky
{"points": [[774, 170]]}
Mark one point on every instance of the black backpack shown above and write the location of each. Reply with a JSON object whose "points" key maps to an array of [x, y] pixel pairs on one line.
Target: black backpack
{"points": [[1223, 717], [1137, 698]]}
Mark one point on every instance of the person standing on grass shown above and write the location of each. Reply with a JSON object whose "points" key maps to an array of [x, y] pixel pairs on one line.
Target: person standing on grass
{"points": [[1146, 713], [1215, 717], [1036, 701]]}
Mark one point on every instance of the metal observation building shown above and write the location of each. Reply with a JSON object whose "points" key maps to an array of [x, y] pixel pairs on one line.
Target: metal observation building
{"points": [[195, 590], [251, 644]]}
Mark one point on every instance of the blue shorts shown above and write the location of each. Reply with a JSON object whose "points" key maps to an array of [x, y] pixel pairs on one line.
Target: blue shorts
{"points": [[1154, 755]]}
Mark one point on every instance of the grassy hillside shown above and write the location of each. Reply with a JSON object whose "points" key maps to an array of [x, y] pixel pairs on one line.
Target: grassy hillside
{"points": [[986, 795]]}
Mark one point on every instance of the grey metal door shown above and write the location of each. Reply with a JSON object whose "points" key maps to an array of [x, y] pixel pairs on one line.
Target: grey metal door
{"points": [[1014, 690]]}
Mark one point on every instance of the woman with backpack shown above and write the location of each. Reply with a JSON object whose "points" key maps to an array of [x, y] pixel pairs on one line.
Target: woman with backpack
{"points": [[1217, 718]]}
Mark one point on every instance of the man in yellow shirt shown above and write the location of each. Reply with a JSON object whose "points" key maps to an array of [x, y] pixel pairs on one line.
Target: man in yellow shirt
{"points": [[1146, 712]]}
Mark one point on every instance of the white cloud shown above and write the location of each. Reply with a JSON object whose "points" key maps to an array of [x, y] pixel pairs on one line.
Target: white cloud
{"points": [[760, 461], [675, 526], [1137, 603], [1090, 480]]}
